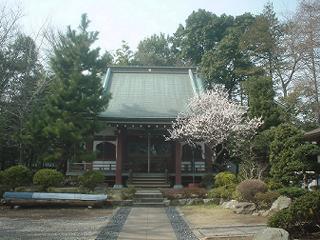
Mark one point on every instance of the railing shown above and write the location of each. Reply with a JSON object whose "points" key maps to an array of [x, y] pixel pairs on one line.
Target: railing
{"points": [[198, 167], [108, 166]]}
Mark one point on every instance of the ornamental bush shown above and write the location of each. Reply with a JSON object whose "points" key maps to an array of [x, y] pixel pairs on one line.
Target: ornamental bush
{"points": [[16, 176], [128, 193], [302, 217], [250, 187], [265, 200], [194, 192], [292, 192], [91, 179], [48, 178], [225, 192], [225, 179]]}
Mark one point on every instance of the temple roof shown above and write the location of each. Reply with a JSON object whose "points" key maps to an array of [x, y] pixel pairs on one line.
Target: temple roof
{"points": [[149, 94]]}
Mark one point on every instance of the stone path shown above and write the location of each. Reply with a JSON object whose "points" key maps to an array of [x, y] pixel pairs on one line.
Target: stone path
{"points": [[147, 223]]}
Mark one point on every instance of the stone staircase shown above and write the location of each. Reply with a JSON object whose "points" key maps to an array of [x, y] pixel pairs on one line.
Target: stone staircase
{"points": [[149, 180], [148, 198]]}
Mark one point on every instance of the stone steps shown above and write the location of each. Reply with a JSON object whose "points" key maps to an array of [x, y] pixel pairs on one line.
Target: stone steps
{"points": [[148, 198], [150, 180]]}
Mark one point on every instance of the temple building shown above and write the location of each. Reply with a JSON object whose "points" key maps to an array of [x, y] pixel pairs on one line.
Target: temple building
{"points": [[144, 102]]}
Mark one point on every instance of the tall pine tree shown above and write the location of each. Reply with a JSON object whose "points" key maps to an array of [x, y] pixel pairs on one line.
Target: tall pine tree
{"points": [[77, 94]]}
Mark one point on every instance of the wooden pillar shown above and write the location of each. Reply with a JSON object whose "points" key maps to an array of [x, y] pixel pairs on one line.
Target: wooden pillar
{"points": [[208, 158], [119, 159], [178, 155]]}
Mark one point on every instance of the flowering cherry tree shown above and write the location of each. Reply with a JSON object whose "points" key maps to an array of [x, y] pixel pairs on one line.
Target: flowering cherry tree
{"points": [[212, 118]]}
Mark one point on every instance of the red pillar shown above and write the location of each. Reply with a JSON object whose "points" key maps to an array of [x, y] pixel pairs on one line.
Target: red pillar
{"points": [[178, 155], [119, 159]]}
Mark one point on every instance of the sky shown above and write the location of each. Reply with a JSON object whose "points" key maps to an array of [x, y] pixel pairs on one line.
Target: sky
{"points": [[130, 20]]}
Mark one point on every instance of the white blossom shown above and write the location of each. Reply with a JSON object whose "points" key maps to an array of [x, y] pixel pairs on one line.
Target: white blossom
{"points": [[213, 118]]}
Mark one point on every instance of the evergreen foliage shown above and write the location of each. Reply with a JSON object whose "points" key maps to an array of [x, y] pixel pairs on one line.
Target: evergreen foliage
{"points": [[289, 155], [48, 178], [70, 117]]}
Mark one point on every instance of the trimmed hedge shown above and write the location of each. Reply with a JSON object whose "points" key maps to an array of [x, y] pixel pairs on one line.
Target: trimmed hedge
{"points": [[247, 189], [225, 179], [16, 176], [225, 192], [48, 178]]}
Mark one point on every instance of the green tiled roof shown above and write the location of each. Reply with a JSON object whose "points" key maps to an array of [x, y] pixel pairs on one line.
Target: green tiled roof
{"points": [[149, 93]]}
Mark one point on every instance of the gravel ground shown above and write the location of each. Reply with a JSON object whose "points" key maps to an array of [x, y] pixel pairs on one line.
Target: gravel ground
{"points": [[180, 227], [52, 224], [113, 228]]}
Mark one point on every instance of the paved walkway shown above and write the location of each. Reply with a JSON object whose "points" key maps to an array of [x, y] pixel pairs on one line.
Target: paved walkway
{"points": [[146, 223]]}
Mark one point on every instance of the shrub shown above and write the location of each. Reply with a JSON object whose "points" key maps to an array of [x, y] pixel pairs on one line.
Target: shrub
{"points": [[207, 181], [302, 217], [194, 193], [281, 219], [265, 200], [91, 179], [273, 185], [172, 194], [292, 192], [128, 193], [225, 192], [16, 176], [47, 178], [250, 187], [225, 179]]}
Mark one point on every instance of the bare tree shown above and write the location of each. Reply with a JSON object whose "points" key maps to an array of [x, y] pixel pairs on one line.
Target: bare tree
{"points": [[307, 19]]}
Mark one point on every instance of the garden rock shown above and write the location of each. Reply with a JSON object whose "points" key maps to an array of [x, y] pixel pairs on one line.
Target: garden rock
{"points": [[182, 202], [208, 201], [281, 203], [194, 201], [230, 204], [272, 234], [244, 208]]}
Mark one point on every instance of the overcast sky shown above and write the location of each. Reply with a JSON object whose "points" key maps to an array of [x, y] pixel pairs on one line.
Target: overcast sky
{"points": [[131, 20]]}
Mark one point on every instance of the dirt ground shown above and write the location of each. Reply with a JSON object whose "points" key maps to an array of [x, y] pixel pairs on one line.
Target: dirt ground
{"points": [[53, 223], [207, 216]]}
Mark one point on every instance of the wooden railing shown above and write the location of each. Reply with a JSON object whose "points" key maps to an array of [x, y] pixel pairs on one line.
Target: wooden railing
{"points": [[107, 166], [198, 167]]}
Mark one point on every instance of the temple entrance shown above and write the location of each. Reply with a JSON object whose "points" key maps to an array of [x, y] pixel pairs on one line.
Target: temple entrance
{"points": [[148, 153]]}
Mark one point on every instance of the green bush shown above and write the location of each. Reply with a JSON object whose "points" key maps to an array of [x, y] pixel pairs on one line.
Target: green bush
{"points": [[265, 200], [302, 217], [250, 187], [225, 192], [128, 193], [281, 219], [47, 178], [91, 179], [225, 179], [292, 192], [16, 176], [273, 185], [207, 181]]}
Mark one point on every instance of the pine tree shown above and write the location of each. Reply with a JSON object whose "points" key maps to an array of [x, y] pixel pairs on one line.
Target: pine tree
{"points": [[77, 95]]}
